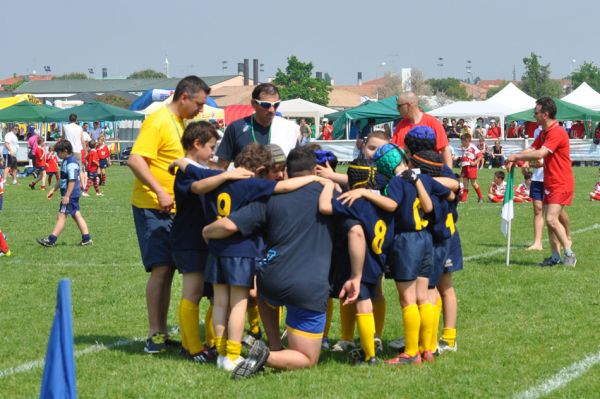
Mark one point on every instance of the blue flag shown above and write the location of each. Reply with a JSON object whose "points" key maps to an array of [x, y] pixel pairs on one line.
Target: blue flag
{"points": [[59, 371]]}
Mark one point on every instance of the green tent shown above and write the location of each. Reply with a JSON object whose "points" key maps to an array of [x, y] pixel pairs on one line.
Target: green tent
{"points": [[565, 111], [382, 111], [27, 112], [96, 111]]}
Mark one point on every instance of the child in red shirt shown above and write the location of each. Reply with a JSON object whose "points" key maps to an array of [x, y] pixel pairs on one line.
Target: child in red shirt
{"points": [[498, 188], [4, 251], [39, 163], [522, 191], [469, 163], [595, 195], [51, 165], [104, 155], [92, 163]]}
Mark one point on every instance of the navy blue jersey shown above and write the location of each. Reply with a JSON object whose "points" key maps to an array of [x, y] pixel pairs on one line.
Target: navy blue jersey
{"points": [[452, 205], [186, 233], [227, 198], [378, 226], [239, 134], [409, 214], [340, 256], [69, 171]]}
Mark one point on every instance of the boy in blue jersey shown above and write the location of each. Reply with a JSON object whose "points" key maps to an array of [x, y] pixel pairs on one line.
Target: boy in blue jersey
{"points": [[377, 226], [70, 190]]}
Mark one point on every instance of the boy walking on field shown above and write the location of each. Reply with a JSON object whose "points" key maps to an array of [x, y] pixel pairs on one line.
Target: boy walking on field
{"points": [[70, 190]]}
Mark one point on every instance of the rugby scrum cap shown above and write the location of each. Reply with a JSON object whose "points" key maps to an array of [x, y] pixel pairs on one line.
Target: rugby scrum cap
{"points": [[360, 173], [277, 154], [429, 162], [388, 157], [420, 138]]}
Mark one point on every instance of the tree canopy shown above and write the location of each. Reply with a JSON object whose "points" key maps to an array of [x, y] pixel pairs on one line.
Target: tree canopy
{"points": [[536, 79], [297, 82], [449, 86], [147, 74], [72, 76], [589, 73]]}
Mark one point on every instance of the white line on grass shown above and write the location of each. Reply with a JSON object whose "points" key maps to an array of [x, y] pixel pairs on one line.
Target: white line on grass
{"points": [[502, 250], [562, 378], [91, 349]]}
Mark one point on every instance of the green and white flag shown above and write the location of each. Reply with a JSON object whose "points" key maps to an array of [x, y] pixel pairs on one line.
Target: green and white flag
{"points": [[507, 206]]}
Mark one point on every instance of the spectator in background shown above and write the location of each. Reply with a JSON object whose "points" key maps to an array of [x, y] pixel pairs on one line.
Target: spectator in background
{"points": [[465, 128], [494, 130], [453, 130], [512, 132], [96, 131], [446, 126], [479, 131], [577, 130], [326, 130], [485, 150], [497, 155], [387, 130], [304, 131], [368, 128], [597, 134]]}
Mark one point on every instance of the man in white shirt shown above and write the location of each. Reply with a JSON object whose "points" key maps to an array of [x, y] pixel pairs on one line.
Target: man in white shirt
{"points": [[11, 143], [73, 133]]}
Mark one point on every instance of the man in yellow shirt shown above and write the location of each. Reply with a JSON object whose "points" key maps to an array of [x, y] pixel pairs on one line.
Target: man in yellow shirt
{"points": [[157, 145]]}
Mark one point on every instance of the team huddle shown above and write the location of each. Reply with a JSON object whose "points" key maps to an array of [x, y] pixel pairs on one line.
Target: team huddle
{"points": [[302, 241]]}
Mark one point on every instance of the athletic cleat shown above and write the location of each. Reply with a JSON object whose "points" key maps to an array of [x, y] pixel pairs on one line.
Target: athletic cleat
{"points": [[325, 344], [172, 343], [398, 344], [404, 359], [84, 194], [45, 242], [444, 347], [31, 186], [155, 344], [378, 346], [99, 195], [436, 352], [230, 365], [257, 358], [250, 338], [7, 253], [367, 363], [550, 262], [207, 355], [356, 355], [570, 260], [88, 242], [427, 356], [343, 346], [220, 360]]}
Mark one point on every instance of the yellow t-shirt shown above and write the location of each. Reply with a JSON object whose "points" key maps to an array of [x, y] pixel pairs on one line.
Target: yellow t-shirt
{"points": [[159, 142]]}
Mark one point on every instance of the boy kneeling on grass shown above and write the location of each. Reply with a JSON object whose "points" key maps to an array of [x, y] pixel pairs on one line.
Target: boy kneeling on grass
{"points": [[70, 190], [497, 188]]}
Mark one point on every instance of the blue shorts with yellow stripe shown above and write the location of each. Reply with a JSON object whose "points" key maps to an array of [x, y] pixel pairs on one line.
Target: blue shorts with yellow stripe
{"points": [[454, 261], [306, 323]]}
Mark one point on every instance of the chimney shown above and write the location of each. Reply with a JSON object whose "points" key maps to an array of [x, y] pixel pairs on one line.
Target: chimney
{"points": [[246, 71], [240, 68], [255, 70], [104, 73], [319, 75], [359, 79]]}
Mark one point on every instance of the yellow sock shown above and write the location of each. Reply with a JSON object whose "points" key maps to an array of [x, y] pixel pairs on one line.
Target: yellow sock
{"points": [[280, 314], [253, 318], [412, 324], [348, 320], [426, 312], [437, 310], [328, 318], [233, 349], [366, 331], [209, 329], [379, 314], [184, 343], [449, 335], [190, 318], [221, 343]]}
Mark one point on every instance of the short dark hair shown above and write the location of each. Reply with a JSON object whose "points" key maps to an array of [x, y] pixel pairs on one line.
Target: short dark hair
{"points": [[267, 88], [73, 118], [254, 156], [64, 145], [500, 174], [92, 143], [547, 105], [190, 85], [202, 131], [300, 160], [527, 175]]}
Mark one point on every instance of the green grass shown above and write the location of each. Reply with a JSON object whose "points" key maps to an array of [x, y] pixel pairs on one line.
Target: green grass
{"points": [[518, 325]]}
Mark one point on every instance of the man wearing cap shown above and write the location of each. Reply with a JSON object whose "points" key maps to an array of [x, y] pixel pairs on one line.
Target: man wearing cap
{"points": [[408, 106], [263, 127], [494, 130], [326, 130]]}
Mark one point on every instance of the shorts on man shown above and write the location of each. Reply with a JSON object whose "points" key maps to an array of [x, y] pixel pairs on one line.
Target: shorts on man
{"points": [[153, 230]]}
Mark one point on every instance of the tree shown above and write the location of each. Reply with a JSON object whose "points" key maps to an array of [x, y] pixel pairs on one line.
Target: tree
{"points": [[297, 82], [72, 76], [113, 99], [449, 86], [536, 80], [589, 73], [147, 74], [495, 90], [391, 86], [418, 85]]}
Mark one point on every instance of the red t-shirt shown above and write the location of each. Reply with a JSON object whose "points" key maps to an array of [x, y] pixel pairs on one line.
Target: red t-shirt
{"points": [[51, 163], [578, 131], [40, 159], [494, 132], [511, 133], [92, 161], [404, 126], [530, 128], [103, 151], [327, 133], [558, 175]]}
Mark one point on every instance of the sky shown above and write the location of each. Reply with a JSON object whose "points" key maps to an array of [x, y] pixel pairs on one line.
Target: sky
{"points": [[338, 37]]}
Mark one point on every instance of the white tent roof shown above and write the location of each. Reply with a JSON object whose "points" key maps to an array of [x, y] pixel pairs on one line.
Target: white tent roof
{"points": [[303, 109], [584, 96], [512, 97]]}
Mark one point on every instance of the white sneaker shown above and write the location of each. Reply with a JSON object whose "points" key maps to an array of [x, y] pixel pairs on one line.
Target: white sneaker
{"points": [[220, 361], [342, 346], [14, 182], [444, 347], [99, 195], [229, 365], [84, 194]]}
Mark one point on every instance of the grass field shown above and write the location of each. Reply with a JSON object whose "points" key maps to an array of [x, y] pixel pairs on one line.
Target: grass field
{"points": [[518, 326]]}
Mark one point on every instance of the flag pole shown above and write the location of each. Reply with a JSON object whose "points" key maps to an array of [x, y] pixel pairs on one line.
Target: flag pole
{"points": [[508, 243]]}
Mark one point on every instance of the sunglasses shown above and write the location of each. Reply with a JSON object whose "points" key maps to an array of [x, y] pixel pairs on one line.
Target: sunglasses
{"points": [[267, 104]]}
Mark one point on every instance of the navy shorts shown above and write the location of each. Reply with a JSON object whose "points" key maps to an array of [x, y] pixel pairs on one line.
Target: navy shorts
{"points": [[104, 163], [39, 169], [367, 291], [153, 229], [230, 270], [412, 255], [454, 262], [440, 254], [536, 190], [190, 261], [12, 162], [71, 208], [306, 323]]}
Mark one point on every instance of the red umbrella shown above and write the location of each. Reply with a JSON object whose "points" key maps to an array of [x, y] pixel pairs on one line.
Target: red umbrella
{"points": [[235, 112]]}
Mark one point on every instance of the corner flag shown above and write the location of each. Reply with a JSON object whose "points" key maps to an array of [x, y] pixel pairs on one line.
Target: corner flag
{"points": [[508, 212], [58, 380]]}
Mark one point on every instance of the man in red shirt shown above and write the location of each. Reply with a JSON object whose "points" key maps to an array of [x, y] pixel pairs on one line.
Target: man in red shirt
{"points": [[559, 186], [408, 106], [494, 130], [578, 130]]}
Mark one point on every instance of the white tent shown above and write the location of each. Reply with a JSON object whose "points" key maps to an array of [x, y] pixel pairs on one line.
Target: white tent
{"points": [[584, 96], [512, 97], [300, 108]]}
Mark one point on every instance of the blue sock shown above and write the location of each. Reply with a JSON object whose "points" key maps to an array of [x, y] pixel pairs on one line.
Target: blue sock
{"points": [[556, 256], [52, 238], [85, 237]]}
